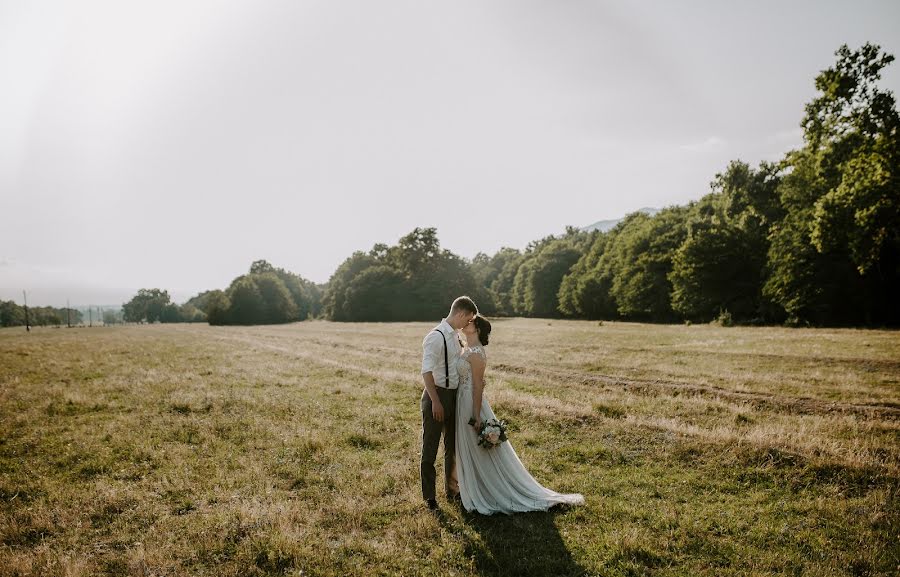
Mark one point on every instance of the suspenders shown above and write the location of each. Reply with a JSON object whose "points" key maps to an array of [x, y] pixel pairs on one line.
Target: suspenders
{"points": [[446, 362]]}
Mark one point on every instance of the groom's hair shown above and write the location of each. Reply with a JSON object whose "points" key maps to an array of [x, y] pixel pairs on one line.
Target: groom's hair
{"points": [[463, 304]]}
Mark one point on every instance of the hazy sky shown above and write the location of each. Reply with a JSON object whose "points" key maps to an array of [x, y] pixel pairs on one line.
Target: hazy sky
{"points": [[169, 144]]}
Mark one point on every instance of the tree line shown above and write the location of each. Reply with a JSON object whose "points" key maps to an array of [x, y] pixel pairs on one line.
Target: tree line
{"points": [[13, 315], [265, 295], [812, 239]]}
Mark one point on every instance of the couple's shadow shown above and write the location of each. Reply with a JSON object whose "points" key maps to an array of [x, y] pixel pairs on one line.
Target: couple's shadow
{"points": [[518, 544]]}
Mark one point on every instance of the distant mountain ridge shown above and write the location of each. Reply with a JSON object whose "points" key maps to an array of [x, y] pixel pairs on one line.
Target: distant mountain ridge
{"points": [[606, 225]]}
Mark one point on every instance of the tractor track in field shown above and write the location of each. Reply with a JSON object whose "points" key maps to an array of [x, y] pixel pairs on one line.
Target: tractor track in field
{"points": [[649, 387], [780, 403]]}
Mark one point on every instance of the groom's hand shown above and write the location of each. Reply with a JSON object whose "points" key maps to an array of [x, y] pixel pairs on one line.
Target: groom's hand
{"points": [[437, 411]]}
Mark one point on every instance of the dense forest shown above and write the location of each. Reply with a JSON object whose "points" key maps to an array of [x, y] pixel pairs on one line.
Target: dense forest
{"points": [[811, 240]]}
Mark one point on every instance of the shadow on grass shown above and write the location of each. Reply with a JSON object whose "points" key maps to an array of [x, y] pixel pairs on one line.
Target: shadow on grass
{"points": [[519, 544]]}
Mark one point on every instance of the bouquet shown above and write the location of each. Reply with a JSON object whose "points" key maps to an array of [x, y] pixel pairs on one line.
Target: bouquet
{"points": [[491, 433]]}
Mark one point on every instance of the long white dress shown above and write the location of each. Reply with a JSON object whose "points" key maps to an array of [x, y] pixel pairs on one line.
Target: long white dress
{"points": [[494, 480]]}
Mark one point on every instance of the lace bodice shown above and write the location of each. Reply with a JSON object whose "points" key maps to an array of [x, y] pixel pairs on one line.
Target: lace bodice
{"points": [[464, 368]]}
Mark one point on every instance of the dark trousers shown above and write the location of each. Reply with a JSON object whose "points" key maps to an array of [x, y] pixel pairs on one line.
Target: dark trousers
{"points": [[431, 436]]}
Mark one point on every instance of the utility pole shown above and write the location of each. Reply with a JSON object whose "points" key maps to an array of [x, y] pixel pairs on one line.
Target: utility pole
{"points": [[90, 316], [68, 315], [27, 325]]}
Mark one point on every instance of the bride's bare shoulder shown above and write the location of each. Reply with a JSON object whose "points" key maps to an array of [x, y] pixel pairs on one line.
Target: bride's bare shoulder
{"points": [[477, 352]]}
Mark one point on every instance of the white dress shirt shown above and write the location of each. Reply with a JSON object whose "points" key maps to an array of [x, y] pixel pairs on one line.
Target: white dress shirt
{"points": [[433, 355]]}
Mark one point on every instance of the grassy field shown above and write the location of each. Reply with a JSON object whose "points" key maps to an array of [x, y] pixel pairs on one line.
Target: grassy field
{"points": [[293, 450]]}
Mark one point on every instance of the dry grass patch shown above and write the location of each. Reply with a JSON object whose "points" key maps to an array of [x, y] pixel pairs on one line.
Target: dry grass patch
{"points": [[197, 450]]}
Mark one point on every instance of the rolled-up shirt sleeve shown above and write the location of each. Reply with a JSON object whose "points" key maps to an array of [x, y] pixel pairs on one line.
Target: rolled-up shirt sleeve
{"points": [[431, 353]]}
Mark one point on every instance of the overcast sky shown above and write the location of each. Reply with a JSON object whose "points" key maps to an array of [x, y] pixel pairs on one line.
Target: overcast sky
{"points": [[171, 143]]}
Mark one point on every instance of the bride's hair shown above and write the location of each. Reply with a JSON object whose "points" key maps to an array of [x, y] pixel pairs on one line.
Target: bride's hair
{"points": [[483, 326]]}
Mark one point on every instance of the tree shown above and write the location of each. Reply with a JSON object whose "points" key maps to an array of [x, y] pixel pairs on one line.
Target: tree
{"points": [[642, 258], [247, 307], [11, 314], [484, 271], [200, 301], [721, 264], [856, 127], [585, 290], [422, 280], [415, 253], [171, 313], [377, 294], [334, 301], [278, 305], [508, 261], [835, 258], [306, 296], [146, 306], [217, 308], [715, 269], [537, 282], [260, 267]]}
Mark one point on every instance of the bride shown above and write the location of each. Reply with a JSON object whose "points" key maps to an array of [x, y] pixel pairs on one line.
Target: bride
{"points": [[491, 480]]}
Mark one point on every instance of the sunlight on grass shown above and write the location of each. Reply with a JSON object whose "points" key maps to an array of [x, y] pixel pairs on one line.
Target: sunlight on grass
{"points": [[293, 449]]}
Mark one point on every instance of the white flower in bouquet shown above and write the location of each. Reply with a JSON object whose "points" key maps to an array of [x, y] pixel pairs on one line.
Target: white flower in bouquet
{"points": [[492, 433]]}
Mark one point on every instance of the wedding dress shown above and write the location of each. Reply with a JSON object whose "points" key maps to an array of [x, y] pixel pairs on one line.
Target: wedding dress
{"points": [[494, 480]]}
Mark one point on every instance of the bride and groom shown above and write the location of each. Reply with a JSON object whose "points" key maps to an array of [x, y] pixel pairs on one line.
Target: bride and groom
{"points": [[487, 480]]}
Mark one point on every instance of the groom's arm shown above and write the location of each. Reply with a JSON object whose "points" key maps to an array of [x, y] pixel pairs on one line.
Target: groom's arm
{"points": [[437, 409], [430, 355]]}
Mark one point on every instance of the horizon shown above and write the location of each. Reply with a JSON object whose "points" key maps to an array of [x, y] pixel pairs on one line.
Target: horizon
{"points": [[300, 133], [180, 296]]}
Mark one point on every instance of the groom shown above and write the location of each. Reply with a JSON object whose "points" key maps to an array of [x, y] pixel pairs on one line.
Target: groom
{"points": [[440, 352]]}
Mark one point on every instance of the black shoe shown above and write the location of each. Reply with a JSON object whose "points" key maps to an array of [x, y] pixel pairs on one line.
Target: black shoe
{"points": [[432, 504]]}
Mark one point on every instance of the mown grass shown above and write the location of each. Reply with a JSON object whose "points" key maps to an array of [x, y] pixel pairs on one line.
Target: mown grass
{"points": [[289, 450]]}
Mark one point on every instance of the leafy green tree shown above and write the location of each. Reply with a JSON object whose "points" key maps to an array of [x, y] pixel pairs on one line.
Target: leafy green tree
{"points": [[315, 294], [415, 254], [835, 258], [305, 295], [644, 250], [261, 266], [522, 280], [334, 301], [247, 306], [507, 262], [423, 278], [217, 307], [378, 293], [483, 272], [721, 264], [11, 314], [200, 300], [538, 279], [585, 290], [855, 127], [171, 313], [146, 306], [715, 270], [277, 302]]}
